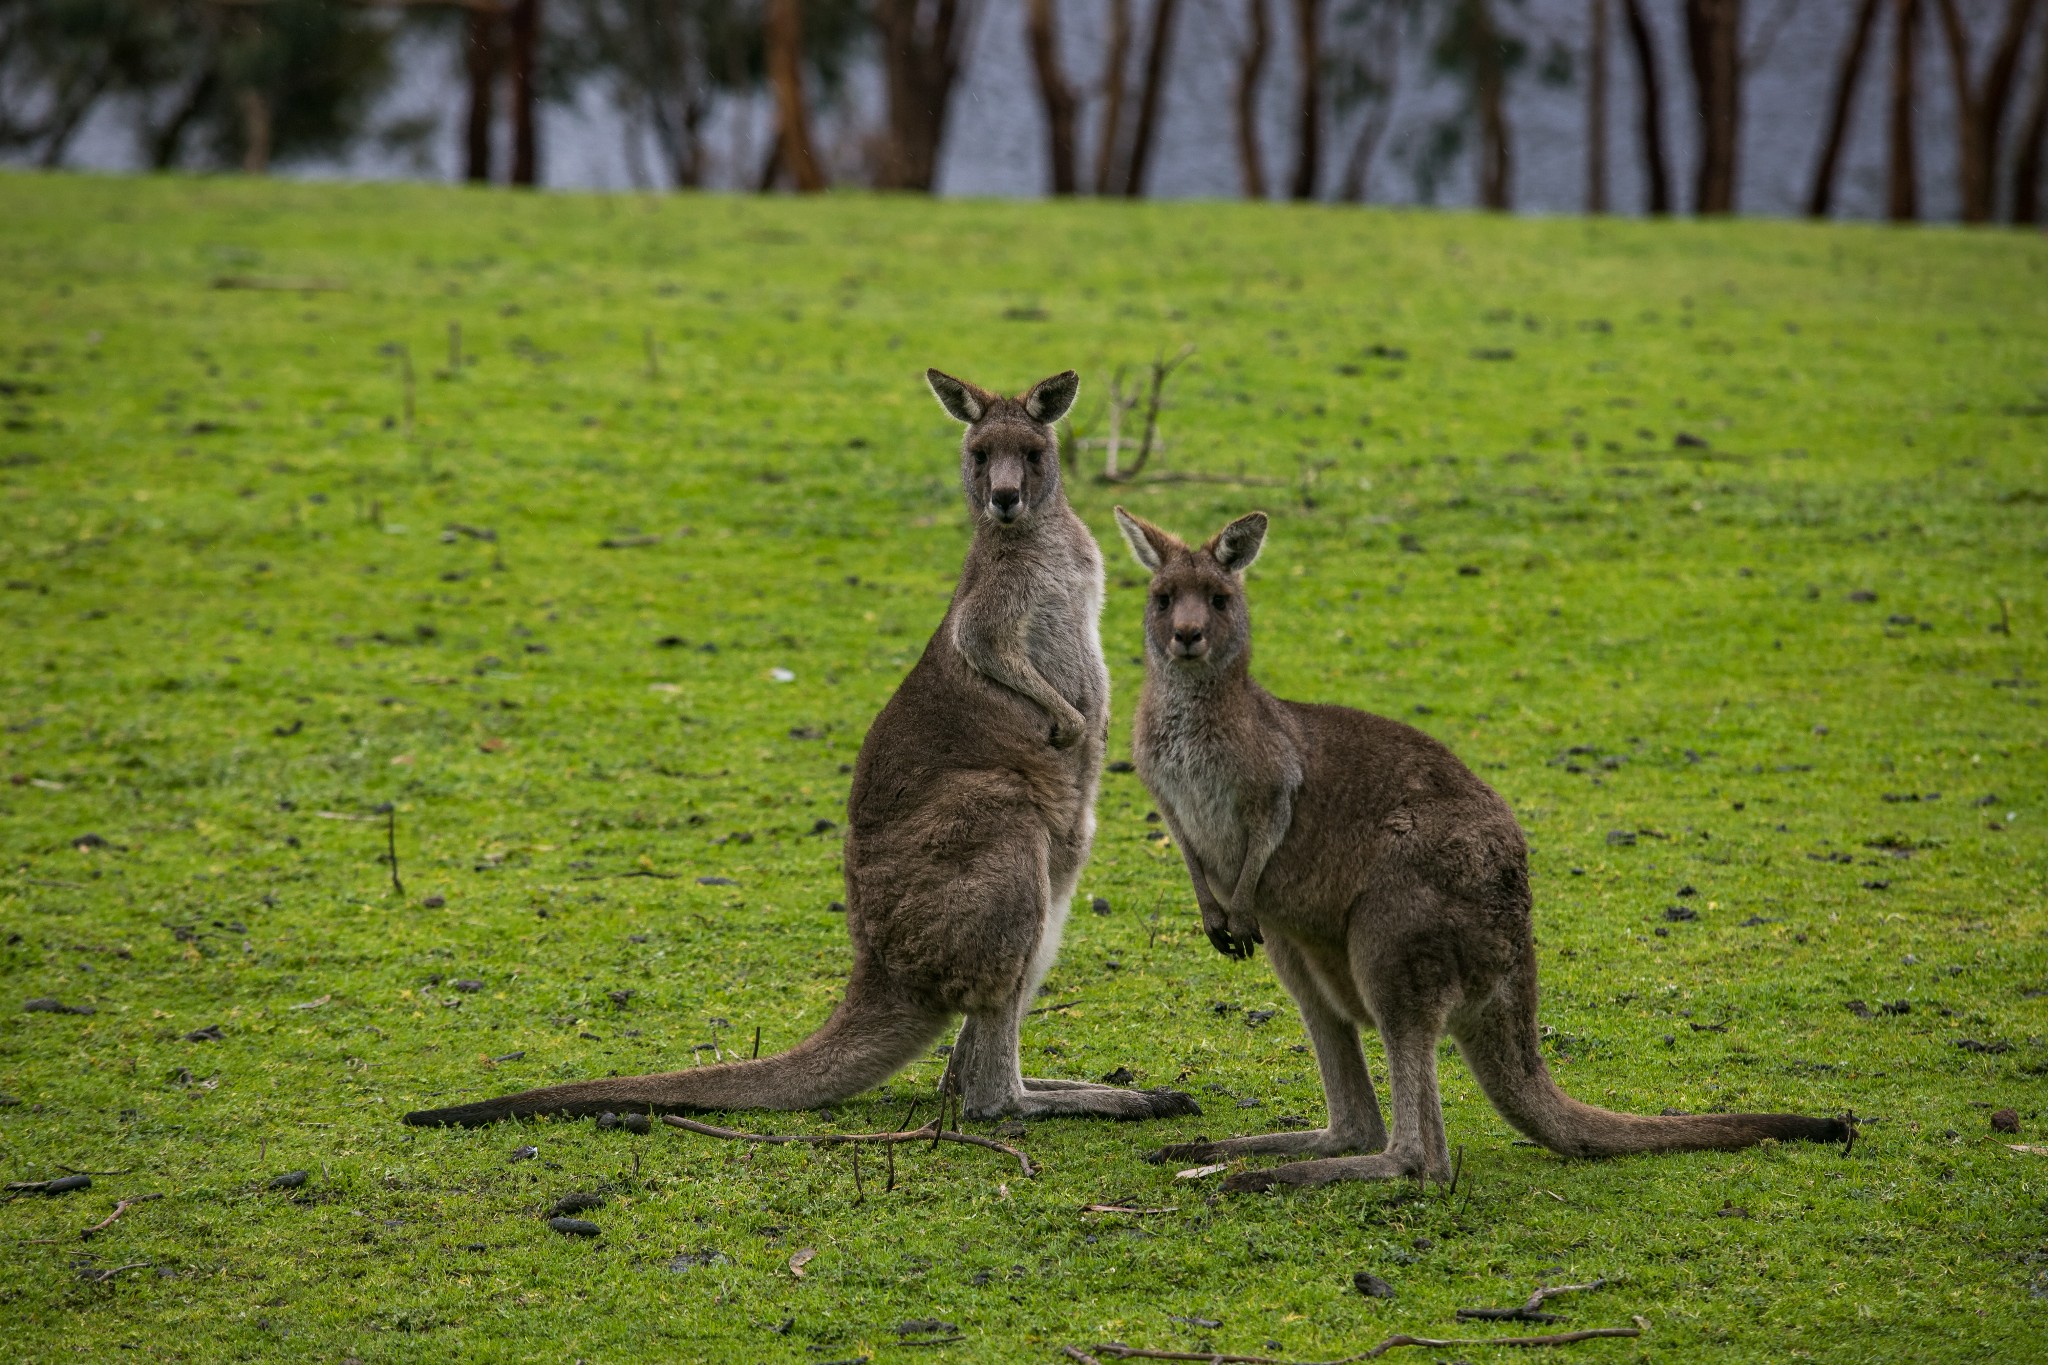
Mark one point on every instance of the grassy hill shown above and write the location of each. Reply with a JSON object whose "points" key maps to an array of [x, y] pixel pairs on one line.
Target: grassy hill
{"points": [[588, 533]]}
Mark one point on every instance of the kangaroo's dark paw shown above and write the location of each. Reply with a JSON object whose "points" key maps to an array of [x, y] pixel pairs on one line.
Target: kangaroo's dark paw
{"points": [[1231, 946], [1250, 1182], [1171, 1104], [1198, 1150]]}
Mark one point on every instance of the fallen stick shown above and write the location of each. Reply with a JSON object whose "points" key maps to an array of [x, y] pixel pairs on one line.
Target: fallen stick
{"points": [[1530, 1311], [931, 1130], [1118, 1351], [1122, 1208], [120, 1208], [1076, 1353], [102, 1276]]}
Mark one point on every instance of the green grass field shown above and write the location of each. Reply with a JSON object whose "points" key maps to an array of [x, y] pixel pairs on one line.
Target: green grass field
{"points": [[254, 591]]}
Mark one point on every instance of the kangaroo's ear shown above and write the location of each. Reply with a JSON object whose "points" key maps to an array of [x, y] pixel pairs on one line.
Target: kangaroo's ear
{"points": [[1049, 399], [1149, 545], [958, 397], [1237, 544]]}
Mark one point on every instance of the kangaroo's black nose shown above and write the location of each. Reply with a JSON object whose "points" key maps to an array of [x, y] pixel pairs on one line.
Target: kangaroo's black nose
{"points": [[1187, 635], [1006, 499]]}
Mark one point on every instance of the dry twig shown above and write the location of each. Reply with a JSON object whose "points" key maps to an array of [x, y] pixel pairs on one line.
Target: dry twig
{"points": [[931, 1130], [1530, 1311], [1121, 402], [120, 1207], [91, 1276], [1118, 1351]]}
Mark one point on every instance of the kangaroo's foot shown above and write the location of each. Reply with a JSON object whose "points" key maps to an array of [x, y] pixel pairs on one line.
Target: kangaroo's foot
{"points": [[1309, 1142], [1382, 1166], [1049, 1083], [1099, 1102]]}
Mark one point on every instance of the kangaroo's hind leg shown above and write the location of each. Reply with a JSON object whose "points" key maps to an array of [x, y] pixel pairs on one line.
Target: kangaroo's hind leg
{"points": [[990, 1069], [1411, 985], [1354, 1123]]}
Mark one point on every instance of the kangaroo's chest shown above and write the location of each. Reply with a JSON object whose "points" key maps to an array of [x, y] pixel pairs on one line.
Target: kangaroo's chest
{"points": [[1063, 636], [1199, 783]]}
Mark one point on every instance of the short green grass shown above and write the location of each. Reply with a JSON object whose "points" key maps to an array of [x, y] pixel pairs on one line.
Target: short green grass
{"points": [[243, 610]]}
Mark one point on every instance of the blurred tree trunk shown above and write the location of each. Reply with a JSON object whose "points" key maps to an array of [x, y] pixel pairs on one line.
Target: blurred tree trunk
{"points": [[480, 60], [70, 112], [255, 109], [1489, 87], [1061, 105], [1308, 119], [2033, 146], [166, 142], [1822, 197], [1251, 66], [920, 58], [1596, 107], [1109, 149], [525, 47], [1656, 167], [1149, 95], [1902, 179], [1981, 106], [785, 35], [1714, 41]]}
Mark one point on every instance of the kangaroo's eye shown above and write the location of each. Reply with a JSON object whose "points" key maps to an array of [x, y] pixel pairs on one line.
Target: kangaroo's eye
{"points": [[1220, 602], [980, 457], [1161, 601], [1032, 458]]}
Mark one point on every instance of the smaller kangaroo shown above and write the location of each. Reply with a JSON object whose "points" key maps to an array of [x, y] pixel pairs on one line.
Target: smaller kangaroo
{"points": [[971, 814], [1389, 884]]}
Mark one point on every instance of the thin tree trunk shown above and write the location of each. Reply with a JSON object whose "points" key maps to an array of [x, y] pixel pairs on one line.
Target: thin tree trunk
{"points": [[169, 140], [480, 60], [65, 122], [1656, 167], [1308, 119], [1150, 94], [1109, 150], [1902, 180], [1496, 153], [1822, 197], [255, 109], [1596, 108], [2033, 147], [785, 71], [1061, 105], [524, 51], [919, 60], [1980, 107], [1251, 66], [1714, 38], [1358, 165]]}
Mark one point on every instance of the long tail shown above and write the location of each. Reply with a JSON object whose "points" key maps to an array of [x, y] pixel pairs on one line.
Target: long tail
{"points": [[871, 1036], [1500, 1043]]}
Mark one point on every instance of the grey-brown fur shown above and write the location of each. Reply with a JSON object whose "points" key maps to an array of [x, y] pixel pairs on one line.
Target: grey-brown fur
{"points": [[1389, 884], [971, 814]]}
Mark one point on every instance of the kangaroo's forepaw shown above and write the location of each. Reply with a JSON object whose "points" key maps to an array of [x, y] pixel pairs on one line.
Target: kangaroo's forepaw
{"points": [[1198, 1150], [1171, 1104], [1231, 946]]}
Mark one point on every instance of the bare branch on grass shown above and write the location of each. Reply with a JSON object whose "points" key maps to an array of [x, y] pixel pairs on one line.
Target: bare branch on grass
{"points": [[1118, 1351], [933, 1130], [1530, 1311], [120, 1207], [1123, 402]]}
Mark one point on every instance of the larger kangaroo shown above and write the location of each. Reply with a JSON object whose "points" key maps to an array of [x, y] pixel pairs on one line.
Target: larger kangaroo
{"points": [[1389, 884], [971, 814]]}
